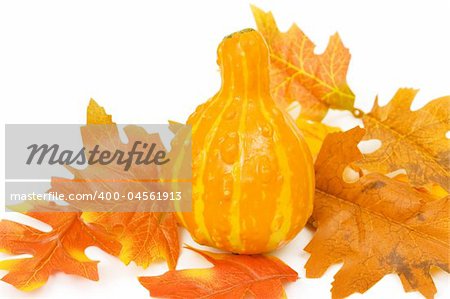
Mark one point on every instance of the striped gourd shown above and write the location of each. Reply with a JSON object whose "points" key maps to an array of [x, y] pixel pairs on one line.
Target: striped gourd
{"points": [[253, 176]]}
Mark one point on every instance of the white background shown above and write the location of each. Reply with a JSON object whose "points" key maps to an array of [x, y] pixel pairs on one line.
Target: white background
{"points": [[150, 61]]}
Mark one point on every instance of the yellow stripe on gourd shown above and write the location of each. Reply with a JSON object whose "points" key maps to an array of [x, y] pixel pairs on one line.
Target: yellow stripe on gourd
{"points": [[283, 209], [235, 218]]}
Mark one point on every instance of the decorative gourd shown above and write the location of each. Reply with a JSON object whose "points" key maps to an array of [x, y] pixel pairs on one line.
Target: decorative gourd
{"points": [[253, 176]]}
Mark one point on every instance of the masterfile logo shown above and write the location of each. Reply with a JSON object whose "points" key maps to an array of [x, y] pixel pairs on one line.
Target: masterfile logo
{"points": [[123, 168]]}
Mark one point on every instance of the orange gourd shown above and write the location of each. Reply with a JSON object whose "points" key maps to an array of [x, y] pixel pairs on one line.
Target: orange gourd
{"points": [[253, 176]]}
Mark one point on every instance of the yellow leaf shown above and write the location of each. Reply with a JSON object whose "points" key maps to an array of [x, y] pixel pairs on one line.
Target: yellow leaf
{"points": [[314, 134]]}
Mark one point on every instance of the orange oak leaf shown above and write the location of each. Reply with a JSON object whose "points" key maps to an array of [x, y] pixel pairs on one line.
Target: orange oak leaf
{"points": [[145, 236], [233, 276], [60, 250], [317, 82], [410, 140], [375, 226]]}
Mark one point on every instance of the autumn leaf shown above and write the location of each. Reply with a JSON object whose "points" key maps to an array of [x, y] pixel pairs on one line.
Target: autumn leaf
{"points": [[145, 237], [375, 226], [317, 82], [411, 140], [60, 250], [233, 276], [175, 126], [103, 134], [96, 114], [314, 133]]}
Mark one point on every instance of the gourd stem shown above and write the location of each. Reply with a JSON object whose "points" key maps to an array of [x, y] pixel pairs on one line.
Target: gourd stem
{"points": [[243, 58]]}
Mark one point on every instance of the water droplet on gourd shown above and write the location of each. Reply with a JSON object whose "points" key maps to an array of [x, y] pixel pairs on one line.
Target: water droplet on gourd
{"points": [[229, 148], [267, 130], [211, 176], [227, 193], [230, 115], [275, 112], [265, 170], [217, 241], [277, 223], [227, 188]]}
